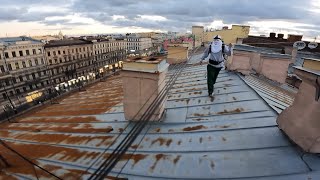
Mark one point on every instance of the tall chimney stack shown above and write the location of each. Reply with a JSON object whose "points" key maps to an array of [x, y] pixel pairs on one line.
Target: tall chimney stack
{"points": [[143, 80]]}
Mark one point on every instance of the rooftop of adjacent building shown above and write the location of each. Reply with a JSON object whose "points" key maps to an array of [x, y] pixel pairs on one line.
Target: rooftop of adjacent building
{"points": [[234, 135], [67, 42], [16, 40]]}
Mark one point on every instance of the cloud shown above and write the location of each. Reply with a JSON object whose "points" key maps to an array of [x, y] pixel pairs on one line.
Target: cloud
{"points": [[174, 15]]}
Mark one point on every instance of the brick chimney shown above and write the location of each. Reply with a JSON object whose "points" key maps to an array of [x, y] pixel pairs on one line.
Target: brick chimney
{"points": [[301, 120], [143, 80]]}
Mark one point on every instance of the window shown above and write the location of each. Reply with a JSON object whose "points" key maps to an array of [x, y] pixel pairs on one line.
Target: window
{"points": [[7, 82], [11, 93], [54, 53], [24, 89], [49, 54], [27, 77], [34, 51], [72, 50], [14, 80], [20, 53], [14, 54], [27, 52], [10, 67], [84, 49], [56, 61], [42, 84], [30, 63], [76, 50], [6, 54], [59, 52], [30, 86], [17, 65], [33, 76], [18, 91], [44, 72], [50, 61], [36, 62], [64, 52], [60, 60], [2, 68], [20, 78], [40, 50], [4, 96], [42, 61]]}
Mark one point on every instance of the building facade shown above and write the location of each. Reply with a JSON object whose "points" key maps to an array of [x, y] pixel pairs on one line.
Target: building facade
{"points": [[228, 35], [138, 43], [22, 71]]}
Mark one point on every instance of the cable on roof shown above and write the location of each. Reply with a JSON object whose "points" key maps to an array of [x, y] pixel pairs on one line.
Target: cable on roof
{"points": [[27, 160]]}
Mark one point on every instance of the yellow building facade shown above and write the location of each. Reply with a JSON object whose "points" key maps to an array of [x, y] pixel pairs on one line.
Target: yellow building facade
{"points": [[228, 35], [313, 64]]}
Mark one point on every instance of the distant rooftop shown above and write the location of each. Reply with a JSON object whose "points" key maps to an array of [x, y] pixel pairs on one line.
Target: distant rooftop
{"points": [[66, 42], [13, 40]]}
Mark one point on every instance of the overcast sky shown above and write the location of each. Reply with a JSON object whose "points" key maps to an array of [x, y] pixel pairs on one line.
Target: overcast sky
{"points": [[74, 17]]}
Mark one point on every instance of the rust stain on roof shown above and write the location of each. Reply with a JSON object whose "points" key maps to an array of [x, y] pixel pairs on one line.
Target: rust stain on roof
{"points": [[238, 110], [176, 159], [158, 158], [136, 158], [194, 128], [162, 141], [157, 130]]}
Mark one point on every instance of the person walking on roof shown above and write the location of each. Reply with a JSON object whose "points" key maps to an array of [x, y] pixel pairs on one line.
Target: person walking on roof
{"points": [[217, 50]]}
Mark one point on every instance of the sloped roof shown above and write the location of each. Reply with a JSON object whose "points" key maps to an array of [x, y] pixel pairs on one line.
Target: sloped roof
{"points": [[234, 135]]}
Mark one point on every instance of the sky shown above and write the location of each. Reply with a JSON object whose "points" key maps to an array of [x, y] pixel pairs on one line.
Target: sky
{"points": [[79, 17]]}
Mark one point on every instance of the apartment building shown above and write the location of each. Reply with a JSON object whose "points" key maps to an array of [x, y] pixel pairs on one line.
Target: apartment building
{"points": [[22, 71], [137, 43], [108, 53]]}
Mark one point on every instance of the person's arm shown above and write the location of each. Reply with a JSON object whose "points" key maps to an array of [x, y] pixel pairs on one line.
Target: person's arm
{"points": [[205, 54], [228, 50]]}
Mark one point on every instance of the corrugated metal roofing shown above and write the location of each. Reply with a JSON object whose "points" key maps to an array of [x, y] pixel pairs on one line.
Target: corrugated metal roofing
{"points": [[278, 98], [233, 135]]}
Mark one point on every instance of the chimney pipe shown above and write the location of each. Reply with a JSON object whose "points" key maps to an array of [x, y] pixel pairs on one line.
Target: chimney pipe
{"points": [[272, 35]]}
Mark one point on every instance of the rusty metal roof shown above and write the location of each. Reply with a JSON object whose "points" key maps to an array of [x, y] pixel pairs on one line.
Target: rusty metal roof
{"points": [[234, 135]]}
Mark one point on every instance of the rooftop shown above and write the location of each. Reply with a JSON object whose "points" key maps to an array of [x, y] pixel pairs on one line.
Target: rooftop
{"points": [[66, 42], [234, 135], [13, 40]]}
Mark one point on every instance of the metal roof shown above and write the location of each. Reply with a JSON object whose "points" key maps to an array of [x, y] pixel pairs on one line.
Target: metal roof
{"points": [[12, 40], [233, 135], [277, 97]]}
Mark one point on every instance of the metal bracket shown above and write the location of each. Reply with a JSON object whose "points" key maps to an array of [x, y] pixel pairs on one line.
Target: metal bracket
{"points": [[317, 89]]}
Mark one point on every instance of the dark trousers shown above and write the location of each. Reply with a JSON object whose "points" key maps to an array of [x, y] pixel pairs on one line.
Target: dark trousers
{"points": [[212, 74]]}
